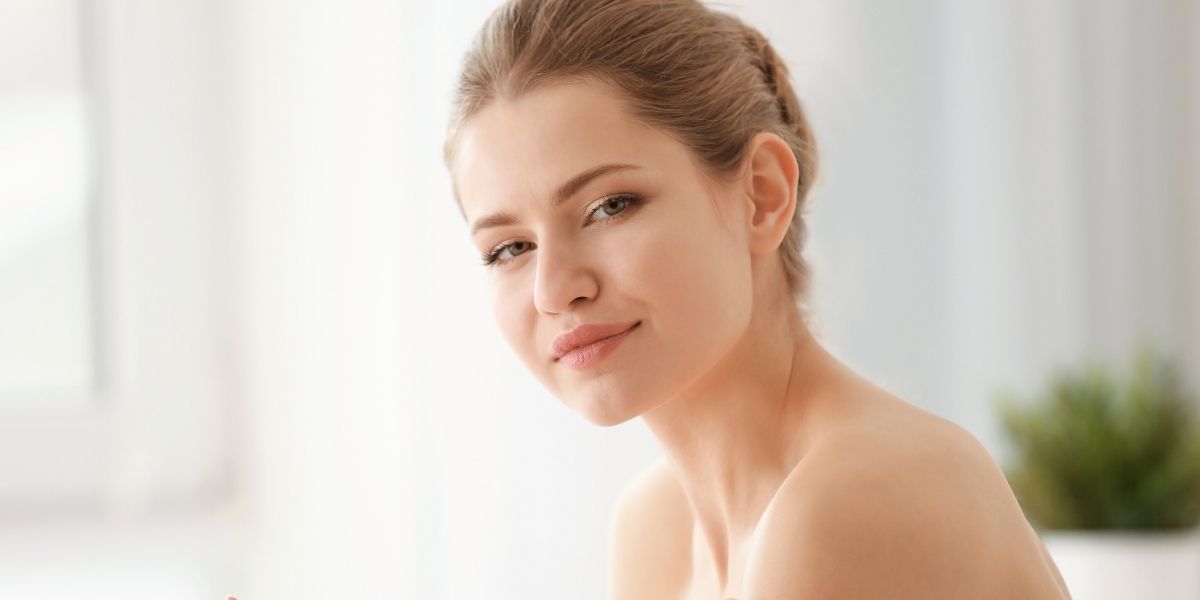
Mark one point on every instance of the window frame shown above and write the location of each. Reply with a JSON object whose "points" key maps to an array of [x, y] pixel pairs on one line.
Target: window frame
{"points": [[156, 424]]}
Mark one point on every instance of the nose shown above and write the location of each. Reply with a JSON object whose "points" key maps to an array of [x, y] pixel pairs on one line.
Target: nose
{"points": [[562, 279]]}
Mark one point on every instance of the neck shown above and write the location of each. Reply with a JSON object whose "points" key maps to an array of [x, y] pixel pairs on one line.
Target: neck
{"points": [[735, 435]]}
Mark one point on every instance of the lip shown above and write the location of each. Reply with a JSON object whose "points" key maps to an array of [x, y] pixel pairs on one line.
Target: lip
{"points": [[587, 341]]}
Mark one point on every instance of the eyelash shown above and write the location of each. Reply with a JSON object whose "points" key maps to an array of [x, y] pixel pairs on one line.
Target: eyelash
{"points": [[492, 257]]}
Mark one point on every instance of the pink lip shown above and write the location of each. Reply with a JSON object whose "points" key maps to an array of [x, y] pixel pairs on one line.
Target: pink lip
{"points": [[588, 344]]}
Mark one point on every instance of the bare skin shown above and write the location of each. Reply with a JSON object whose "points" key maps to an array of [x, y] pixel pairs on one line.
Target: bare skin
{"points": [[785, 474], [918, 507]]}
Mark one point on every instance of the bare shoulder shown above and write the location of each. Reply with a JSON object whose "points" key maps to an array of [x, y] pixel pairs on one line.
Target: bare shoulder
{"points": [[650, 536], [899, 504]]}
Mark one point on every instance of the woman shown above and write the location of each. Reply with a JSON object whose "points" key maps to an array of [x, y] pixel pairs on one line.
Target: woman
{"points": [[634, 175]]}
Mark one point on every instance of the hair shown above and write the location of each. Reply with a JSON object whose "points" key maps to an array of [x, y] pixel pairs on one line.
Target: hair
{"points": [[703, 76]]}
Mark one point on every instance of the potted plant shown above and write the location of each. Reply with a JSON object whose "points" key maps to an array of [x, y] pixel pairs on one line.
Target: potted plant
{"points": [[1107, 469]]}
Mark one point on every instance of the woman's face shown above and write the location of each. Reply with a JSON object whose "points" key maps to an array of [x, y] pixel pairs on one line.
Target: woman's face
{"points": [[641, 244]]}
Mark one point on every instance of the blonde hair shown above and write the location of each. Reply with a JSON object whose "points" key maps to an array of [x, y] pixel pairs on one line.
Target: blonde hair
{"points": [[703, 76]]}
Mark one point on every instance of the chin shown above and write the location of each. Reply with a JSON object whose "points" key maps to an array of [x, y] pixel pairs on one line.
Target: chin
{"points": [[605, 410], [608, 418]]}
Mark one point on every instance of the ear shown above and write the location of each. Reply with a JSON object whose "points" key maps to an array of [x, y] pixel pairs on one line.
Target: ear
{"points": [[771, 175]]}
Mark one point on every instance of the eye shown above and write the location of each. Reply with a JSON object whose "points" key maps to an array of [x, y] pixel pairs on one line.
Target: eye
{"points": [[609, 209], [512, 249], [612, 206]]}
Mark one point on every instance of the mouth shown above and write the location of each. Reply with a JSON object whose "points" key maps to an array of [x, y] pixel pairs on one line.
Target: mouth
{"points": [[590, 354]]}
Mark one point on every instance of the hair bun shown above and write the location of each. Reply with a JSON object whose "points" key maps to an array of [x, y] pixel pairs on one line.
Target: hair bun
{"points": [[775, 73]]}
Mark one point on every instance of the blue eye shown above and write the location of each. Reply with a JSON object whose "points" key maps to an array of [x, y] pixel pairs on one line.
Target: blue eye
{"points": [[613, 206], [514, 248], [609, 209]]}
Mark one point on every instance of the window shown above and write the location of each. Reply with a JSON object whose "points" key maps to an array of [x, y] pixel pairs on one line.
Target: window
{"points": [[46, 201]]}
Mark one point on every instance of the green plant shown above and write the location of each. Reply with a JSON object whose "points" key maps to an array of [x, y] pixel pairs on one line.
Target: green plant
{"points": [[1097, 453]]}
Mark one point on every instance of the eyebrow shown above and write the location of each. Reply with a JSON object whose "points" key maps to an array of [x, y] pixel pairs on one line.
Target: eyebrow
{"points": [[564, 193]]}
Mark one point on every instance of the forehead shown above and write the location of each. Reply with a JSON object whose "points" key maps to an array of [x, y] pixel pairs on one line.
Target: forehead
{"points": [[519, 150]]}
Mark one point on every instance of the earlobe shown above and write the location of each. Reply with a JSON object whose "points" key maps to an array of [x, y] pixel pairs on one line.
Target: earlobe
{"points": [[771, 178]]}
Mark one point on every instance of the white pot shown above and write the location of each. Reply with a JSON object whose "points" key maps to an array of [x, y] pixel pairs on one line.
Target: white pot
{"points": [[1100, 565]]}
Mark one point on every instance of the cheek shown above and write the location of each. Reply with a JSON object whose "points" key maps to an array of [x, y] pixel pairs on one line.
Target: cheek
{"points": [[693, 269], [512, 308], [694, 280]]}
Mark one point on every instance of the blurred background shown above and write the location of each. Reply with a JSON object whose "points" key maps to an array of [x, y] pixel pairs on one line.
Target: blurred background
{"points": [[245, 346]]}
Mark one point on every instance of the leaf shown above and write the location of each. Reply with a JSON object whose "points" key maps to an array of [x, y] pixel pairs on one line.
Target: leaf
{"points": [[1095, 451]]}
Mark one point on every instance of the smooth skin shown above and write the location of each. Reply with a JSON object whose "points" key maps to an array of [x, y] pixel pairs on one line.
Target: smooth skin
{"points": [[785, 474]]}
